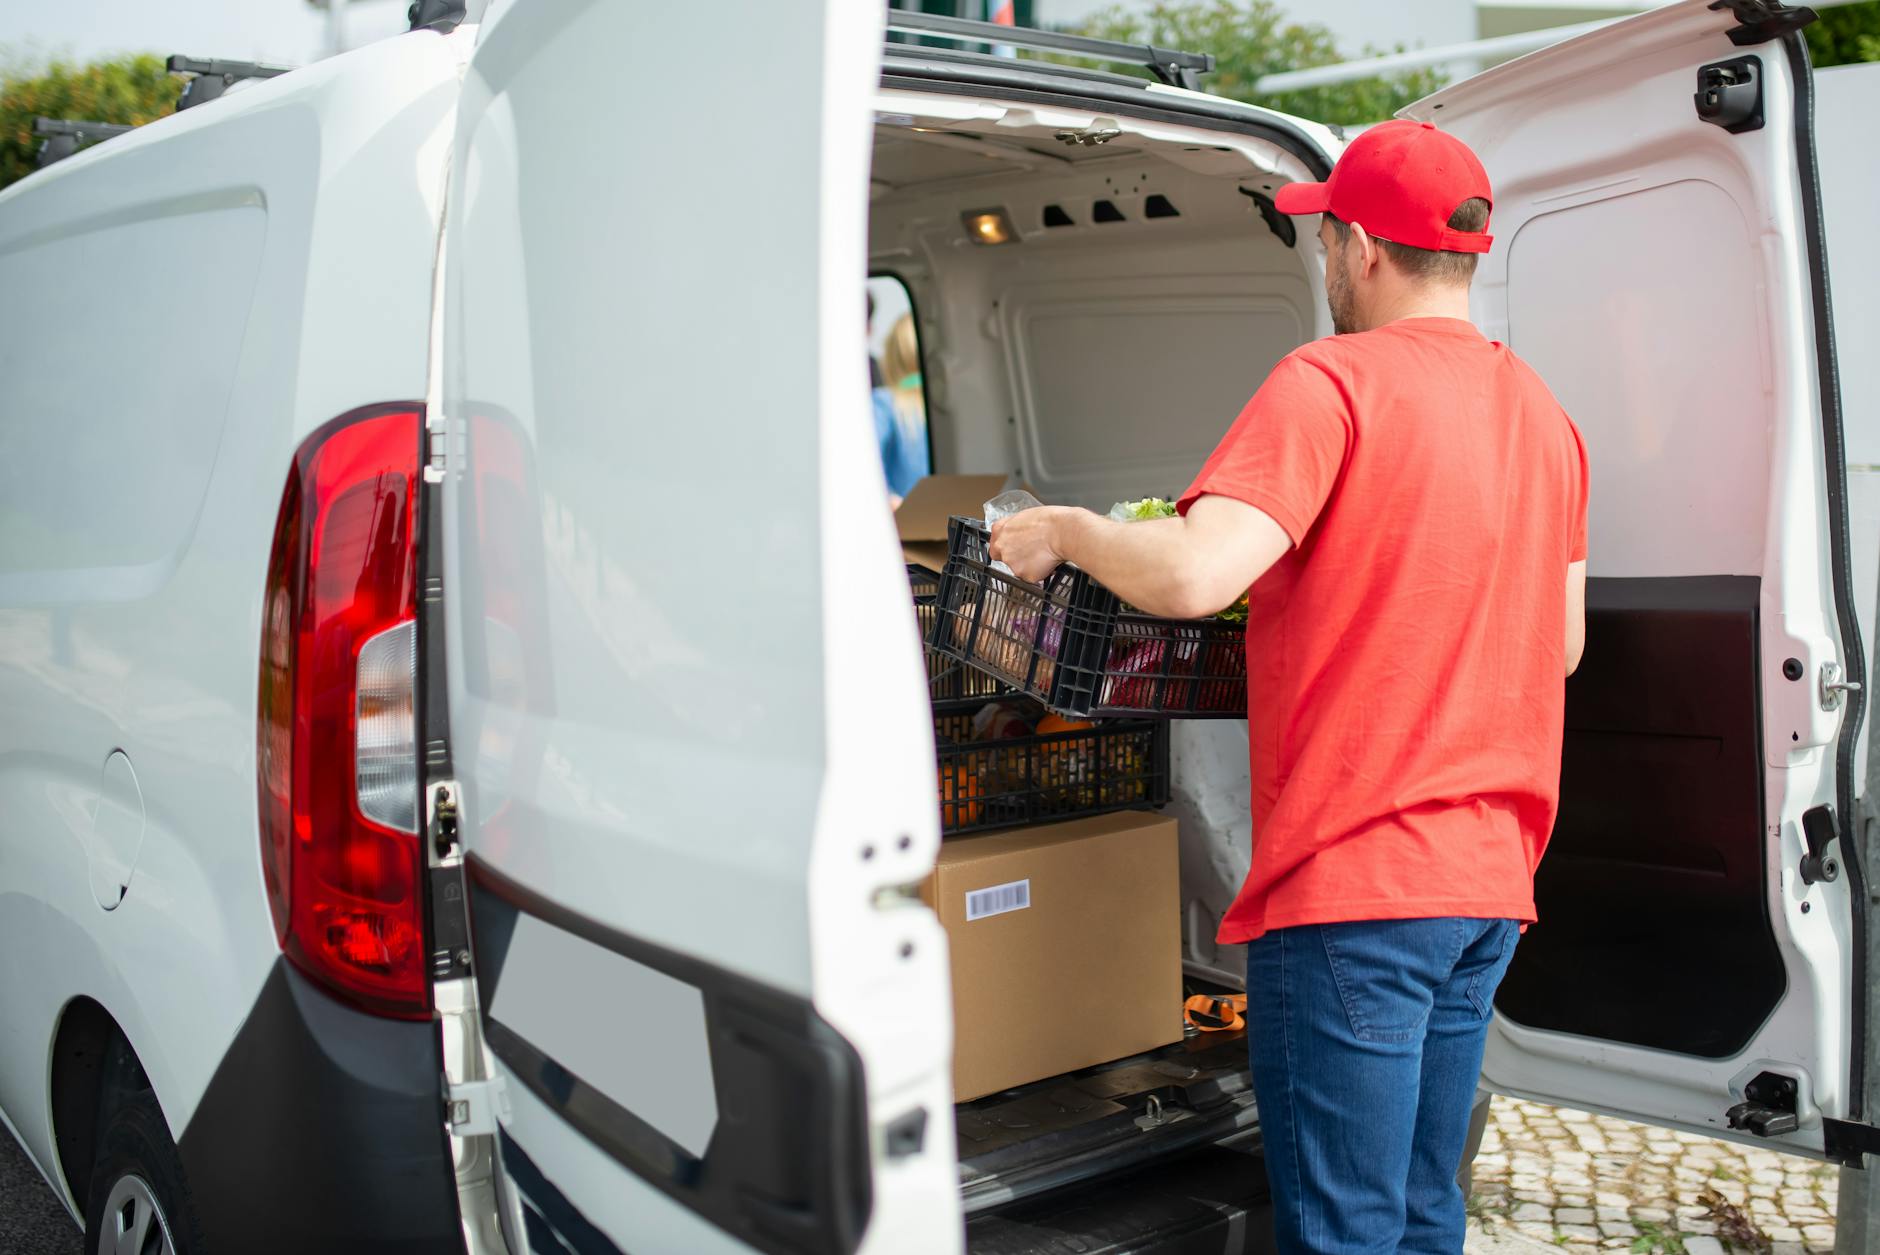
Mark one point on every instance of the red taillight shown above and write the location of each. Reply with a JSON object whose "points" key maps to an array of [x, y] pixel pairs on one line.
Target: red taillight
{"points": [[337, 745]]}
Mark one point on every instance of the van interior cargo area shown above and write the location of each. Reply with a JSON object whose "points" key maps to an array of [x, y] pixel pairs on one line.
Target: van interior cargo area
{"points": [[1097, 357]]}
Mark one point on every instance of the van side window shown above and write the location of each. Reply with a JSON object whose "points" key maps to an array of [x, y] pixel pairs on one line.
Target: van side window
{"points": [[900, 396]]}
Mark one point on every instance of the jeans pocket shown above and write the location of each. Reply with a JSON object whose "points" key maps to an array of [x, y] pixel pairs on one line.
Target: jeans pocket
{"points": [[1384, 973], [1498, 951]]}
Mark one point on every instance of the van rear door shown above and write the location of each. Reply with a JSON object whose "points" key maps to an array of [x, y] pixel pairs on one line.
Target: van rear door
{"points": [[1658, 258], [686, 742]]}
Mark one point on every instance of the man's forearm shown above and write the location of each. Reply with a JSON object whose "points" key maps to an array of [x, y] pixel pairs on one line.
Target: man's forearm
{"points": [[1149, 564]]}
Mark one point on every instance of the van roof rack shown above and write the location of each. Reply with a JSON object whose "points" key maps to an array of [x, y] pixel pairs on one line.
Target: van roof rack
{"points": [[63, 136], [1176, 68], [215, 76]]}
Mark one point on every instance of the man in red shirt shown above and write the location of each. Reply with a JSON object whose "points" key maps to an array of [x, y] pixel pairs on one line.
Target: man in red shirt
{"points": [[1407, 502]]}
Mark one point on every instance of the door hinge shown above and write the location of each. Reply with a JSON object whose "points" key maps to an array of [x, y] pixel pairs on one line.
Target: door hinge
{"points": [[1768, 1106], [437, 446], [474, 1107], [1835, 686], [1847, 1142], [442, 798], [1759, 21]]}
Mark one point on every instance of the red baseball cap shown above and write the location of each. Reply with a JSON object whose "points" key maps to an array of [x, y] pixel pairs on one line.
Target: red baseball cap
{"points": [[1400, 181]]}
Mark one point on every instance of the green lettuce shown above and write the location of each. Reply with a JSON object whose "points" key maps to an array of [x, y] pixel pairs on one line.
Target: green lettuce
{"points": [[1160, 508]]}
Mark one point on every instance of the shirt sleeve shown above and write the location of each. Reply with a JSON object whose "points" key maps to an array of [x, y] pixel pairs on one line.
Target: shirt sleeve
{"points": [[1284, 453], [1582, 491]]}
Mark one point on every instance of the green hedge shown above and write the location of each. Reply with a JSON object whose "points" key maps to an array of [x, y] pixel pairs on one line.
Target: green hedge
{"points": [[130, 90]]}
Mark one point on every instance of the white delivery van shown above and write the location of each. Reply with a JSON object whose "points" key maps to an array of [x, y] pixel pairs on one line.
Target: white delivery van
{"points": [[465, 764]]}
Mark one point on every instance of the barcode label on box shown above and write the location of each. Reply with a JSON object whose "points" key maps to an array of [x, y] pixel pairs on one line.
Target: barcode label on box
{"points": [[998, 899]]}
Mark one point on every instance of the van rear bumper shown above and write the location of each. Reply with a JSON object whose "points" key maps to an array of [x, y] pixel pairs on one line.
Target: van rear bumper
{"points": [[323, 1130]]}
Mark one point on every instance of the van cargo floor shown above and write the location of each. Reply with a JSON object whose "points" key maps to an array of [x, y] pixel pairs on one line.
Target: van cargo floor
{"points": [[1112, 1118]]}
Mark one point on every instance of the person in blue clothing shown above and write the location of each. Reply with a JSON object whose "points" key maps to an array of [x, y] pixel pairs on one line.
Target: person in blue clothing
{"points": [[901, 412]]}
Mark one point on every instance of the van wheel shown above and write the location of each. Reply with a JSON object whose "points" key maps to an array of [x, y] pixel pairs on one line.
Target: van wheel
{"points": [[139, 1203]]}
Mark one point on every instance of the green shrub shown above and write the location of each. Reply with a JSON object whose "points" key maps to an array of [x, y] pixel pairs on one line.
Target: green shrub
{"points": [[1844, 34], [130, 90], [1251, 38]]}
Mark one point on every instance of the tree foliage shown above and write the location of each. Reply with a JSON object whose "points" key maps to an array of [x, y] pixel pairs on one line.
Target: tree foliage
{"points": [[1845, 34], [130, 90], [1252, 38]]}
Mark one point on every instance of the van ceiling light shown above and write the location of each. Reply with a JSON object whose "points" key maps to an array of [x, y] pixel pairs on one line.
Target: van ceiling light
{"points": [[988, 226]]}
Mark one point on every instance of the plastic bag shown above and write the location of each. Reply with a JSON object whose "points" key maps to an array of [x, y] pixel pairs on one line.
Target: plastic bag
{"points": [[1004, 506], [1008, 503]]}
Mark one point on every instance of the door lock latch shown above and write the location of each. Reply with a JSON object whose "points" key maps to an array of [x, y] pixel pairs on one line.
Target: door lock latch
{"points": [[1729, 94], [1835, 686], [1768, 1106]]}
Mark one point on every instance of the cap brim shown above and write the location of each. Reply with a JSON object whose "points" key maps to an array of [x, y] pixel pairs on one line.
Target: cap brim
{"points": [[1302, 198]]}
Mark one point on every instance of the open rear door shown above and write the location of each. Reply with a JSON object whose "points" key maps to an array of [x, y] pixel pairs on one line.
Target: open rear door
{"points": [[686, 756], [1658, 259]]}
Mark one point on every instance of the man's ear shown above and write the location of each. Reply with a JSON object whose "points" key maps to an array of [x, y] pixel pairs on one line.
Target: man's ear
{"points": [[1368, 251]]}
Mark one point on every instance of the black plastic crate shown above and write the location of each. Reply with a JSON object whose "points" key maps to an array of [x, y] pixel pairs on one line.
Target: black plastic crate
{"points": [[1117, 764], [948, 679], [1073, 645]]}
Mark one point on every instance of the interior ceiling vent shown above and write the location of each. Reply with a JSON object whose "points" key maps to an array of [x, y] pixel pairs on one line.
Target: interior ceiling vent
{"points": [[1159, 206], [1105, 211], [1054, 216]]}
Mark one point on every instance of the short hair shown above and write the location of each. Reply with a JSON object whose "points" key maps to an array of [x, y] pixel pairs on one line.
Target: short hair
{"points": [[1427, 264]]}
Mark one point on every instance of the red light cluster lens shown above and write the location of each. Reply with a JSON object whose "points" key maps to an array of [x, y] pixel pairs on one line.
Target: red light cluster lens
{"points": [[344, 888]]}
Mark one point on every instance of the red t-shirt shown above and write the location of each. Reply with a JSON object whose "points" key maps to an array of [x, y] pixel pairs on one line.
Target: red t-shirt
{"points": [[1406, 659]]}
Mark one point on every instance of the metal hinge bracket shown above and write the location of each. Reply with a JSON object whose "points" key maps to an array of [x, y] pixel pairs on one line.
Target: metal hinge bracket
{"points": [[1759, 21], [1848, 1142], [442, 799], [474, 1107]]}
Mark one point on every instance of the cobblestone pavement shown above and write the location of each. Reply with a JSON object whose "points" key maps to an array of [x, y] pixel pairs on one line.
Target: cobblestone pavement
{"points": [[1585, 1183]]}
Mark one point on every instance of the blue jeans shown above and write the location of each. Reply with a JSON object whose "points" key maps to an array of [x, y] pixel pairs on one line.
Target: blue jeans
{"points": [[1366, 1041]]}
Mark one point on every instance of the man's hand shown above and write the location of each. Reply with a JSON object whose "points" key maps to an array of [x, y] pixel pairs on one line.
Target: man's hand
{"points": [[1030, 542]]}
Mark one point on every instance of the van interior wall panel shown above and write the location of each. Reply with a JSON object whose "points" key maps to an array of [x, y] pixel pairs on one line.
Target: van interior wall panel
{"points": [[1653, 927], [1102, 359]]}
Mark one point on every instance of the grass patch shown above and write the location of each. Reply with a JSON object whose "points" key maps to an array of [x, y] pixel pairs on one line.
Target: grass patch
{"points": [[1655, 1239]]}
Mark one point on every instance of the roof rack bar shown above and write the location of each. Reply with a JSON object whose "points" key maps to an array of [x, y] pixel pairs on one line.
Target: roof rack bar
{"points": [[1176, 68], [64, 135], [215, 76]]}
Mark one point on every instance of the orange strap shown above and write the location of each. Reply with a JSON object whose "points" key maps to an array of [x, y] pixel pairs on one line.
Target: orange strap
{"points": [[1216, 1015]]}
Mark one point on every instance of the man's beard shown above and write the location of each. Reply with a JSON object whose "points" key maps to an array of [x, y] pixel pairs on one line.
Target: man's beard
{"points": [[1338, 296]]}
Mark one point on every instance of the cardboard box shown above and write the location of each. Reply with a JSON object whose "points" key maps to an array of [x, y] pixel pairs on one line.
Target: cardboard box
{"points": [[922, 518], [1066, 946]]}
